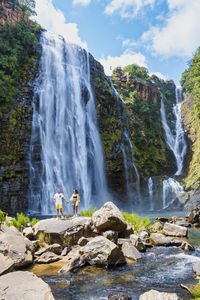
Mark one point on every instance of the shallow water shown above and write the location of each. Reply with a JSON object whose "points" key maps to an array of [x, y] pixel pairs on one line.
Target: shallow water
{"points": [[160, 268]]}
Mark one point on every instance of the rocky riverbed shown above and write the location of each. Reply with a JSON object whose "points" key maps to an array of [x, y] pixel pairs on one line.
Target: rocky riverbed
{"points": [[91, 258]]}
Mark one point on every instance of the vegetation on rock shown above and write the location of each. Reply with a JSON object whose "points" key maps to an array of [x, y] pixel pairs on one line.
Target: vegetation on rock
{"points": [[138, 223]]}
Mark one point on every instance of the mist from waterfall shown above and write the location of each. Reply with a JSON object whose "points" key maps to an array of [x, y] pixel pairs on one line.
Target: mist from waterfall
{"points": [[66, 149]]}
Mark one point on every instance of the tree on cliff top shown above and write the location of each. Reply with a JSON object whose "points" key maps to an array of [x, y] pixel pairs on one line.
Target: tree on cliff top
{"points": [[27, 6]]}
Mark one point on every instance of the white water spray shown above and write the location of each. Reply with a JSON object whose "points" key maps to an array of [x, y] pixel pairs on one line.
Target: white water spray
{"points": [[68, 153], [150, 190]]}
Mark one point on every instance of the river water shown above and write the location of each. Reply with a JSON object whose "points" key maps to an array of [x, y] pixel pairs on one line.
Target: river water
{"points": [[161, 268]]}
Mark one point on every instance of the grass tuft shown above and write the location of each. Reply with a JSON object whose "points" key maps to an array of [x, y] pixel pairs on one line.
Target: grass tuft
{"points": [[136, 221]]}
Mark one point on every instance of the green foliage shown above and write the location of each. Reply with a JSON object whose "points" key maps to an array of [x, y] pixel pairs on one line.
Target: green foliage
{"points": [[18, 49], [19, 221], [138, 72], [136, 221], [88, 212], [2, 217], [34, 221], [195, 291]]}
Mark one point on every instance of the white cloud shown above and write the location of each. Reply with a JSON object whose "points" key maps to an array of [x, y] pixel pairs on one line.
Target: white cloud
{"points": [[126, 58], [81, 2], [160, 75], [180, 34], [54, 21], [127, 8], [128, 43]]}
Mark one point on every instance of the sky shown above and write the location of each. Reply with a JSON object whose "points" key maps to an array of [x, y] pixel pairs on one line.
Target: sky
{"points": [[161, 35]]}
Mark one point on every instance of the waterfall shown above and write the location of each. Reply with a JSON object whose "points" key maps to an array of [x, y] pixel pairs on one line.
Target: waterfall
{"points": [[150, 190], [128, 154], [175, 139], [66, 149]]}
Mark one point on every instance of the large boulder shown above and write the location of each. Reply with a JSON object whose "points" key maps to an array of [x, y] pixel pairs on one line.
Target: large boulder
{"points": [[109, 217], [15, 247], [155, 295], [100, 251], [174, 230], [158, 239], [194, 216], [22, 285], [65, 232], [130, 251]]}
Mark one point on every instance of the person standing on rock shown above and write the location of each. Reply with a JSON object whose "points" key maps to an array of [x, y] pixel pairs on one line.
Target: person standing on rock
{"points": [[75, 199], [58, 202]]}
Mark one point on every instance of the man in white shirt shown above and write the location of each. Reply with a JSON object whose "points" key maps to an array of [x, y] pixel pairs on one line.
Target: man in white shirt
{"points": [[58, 202]]}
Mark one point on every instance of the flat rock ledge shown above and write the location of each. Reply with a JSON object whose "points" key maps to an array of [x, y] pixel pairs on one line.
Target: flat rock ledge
{"points": [[23, 285]]}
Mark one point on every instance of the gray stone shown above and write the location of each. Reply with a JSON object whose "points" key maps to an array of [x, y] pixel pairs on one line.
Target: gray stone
{"points": [[194, 216], [137, 242], [111, 235], [55, 248], [157, 226], [6, 265], [174, 230], [47, 257], [109, 217], [83, 241], [74, 264], [158, 239], [65, 251], [196, 269], [65, 232], [101, 251], [28, 232], [23, 285], [155, 295], [187, 247], [130, 251], [127, 232]]}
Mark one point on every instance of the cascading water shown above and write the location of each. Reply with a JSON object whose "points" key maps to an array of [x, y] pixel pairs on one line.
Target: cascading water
{"points": [[130, 167], [66, 149], [175, 139], [150, 191]]}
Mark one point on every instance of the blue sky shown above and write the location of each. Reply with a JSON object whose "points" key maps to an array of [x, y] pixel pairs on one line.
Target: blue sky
{"points": [[161, 35]]}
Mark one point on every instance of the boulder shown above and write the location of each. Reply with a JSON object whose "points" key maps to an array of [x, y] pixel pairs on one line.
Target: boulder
{"points": [[83, 241], [47, 257], [55, 248], [158, 239], [6, 265], [111, 235], [196, 269], [174, 230], [137, 242], [162, 219], [183, 223], [109, 217], [74, 264], [65, 251], [155, 295], [28, 232], [156, 227], [14, 245], [65, 232], [22, 285], [194, 216], [127, 232], [187, 247], [100, 251], [130, 251]]}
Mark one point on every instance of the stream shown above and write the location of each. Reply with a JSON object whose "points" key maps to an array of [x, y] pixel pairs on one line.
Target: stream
{"points": [[161, 268]]}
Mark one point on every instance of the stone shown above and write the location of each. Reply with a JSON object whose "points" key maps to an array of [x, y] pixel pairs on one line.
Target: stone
{"points": [[47, 257], [174, 230], [111, 235], [28, 232], [83, 241], [162, 219], [120, 297], [6, 265], [196, 269], [65, 251], [130, 251], [14, 245], [137, 242], [183, 223], [127, 232], [74, 264], [157, 226], [109, 217], [158, 239], [55, 248], [155, 295], [65, 232], [100, 251], [194, 216], [24, 285], [187, 247]]}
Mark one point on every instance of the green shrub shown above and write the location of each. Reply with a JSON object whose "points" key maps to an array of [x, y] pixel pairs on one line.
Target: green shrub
{"points": [[88, 212], [34, 221], [136, 221], [2, 217], [19, 221], [195, 291]]}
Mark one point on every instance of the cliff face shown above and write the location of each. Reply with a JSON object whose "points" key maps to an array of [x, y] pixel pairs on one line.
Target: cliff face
{"points": [[10, 14]]}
